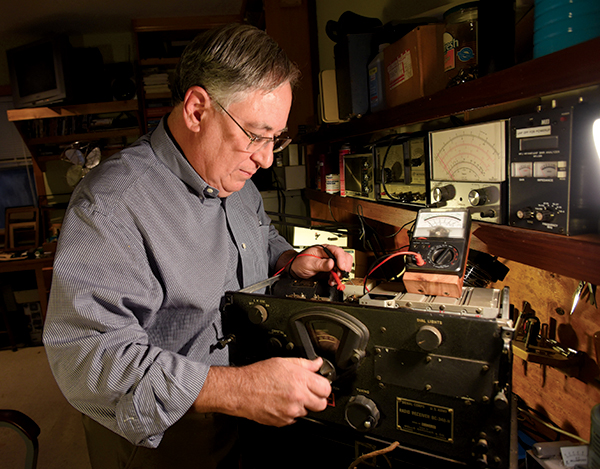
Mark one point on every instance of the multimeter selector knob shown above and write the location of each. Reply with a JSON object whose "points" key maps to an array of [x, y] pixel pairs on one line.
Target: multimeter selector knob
{"points": [[544, 215], [443, 193], [442, 256], [478, 197], [362, 413]]}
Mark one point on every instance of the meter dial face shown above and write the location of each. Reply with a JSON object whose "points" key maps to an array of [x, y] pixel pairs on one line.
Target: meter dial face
{"points": [[472, 153], [447, 224]]}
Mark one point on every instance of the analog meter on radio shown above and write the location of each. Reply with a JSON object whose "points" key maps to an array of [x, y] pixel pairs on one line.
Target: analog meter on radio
{"points": [[468, 169]]}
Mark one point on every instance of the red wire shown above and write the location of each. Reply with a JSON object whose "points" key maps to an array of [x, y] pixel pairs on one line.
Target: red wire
{"points": [[418, 258], [292, 259], [336, 277]]}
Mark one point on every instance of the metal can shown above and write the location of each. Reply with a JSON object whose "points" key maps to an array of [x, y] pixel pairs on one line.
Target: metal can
{"points": [[460, 43]]}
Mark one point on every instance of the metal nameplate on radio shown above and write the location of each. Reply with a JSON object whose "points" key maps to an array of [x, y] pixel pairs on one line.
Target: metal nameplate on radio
{"points": [[424, 419]]}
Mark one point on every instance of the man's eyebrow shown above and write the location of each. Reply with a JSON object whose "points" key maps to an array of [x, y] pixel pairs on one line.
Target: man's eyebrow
{"points": [[267, 127]]}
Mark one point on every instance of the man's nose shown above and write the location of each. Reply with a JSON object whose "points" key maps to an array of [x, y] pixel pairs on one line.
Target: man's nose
{"points": [[264, 156]]}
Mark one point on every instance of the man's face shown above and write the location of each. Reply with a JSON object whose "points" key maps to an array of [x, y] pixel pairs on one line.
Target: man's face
{"points": [[223, 161]]}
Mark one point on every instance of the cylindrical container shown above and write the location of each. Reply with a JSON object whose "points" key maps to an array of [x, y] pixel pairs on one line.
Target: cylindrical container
{"points": [[563, 23], [332, 183], [460, 43], [345, 149], [594, 447], [377, 82]]}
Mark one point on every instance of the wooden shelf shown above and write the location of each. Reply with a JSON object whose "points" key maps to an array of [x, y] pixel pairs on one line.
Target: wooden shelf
{"points": [[191, 23], [573, 256], [577, 257], [565, 70], [88, 136], [15, 115]]}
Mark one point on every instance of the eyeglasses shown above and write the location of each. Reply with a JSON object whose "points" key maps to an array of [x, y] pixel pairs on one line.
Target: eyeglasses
{"points": [[256, 141]]}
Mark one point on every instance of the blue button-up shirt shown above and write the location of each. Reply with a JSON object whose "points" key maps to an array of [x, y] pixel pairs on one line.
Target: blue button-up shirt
{"points": [[145, 253]]}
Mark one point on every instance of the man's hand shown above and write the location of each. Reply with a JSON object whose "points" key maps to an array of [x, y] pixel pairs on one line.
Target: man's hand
{"points": [[317, 260], [273, 392]]}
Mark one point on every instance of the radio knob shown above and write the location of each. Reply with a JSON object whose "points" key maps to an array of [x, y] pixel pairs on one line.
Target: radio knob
{"points": [[362, 413], [478, 197], [544, 215], [441, 194], [258, 314], [525, 213], [429, 338], [481, 446]]}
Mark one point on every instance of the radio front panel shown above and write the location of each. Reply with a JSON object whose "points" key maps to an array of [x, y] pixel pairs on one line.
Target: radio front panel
{"points": [[434, 378]]}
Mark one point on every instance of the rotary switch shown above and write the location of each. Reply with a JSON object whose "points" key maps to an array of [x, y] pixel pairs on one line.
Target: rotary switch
{"points": [[362, 413]]}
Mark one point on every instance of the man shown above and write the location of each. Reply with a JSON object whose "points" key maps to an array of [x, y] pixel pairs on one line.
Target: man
{"points": [[150, 242]]}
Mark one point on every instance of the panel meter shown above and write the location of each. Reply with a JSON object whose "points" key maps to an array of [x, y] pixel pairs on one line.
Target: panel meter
{"points": [[468, 169]]}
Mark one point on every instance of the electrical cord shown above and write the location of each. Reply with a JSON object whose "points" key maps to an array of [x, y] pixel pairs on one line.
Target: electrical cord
{"points": [[418, 259], [374, 454], [330, 255]]}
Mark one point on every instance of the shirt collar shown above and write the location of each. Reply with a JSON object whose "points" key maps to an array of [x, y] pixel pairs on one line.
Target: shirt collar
{"points": [[170, 153]]}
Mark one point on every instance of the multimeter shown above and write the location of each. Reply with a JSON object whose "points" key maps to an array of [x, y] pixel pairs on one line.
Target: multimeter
{"points": [[441, 236]]}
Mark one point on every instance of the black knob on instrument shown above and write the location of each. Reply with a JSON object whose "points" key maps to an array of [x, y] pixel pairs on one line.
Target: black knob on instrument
{"points": [[544, 215], [429, 338], [525, 213], [258, 314], [478, 197], [443, 193], [362, 413]]}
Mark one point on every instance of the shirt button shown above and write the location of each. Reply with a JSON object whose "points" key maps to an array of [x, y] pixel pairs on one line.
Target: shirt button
{"points": [[209, 190], [243, 245]]}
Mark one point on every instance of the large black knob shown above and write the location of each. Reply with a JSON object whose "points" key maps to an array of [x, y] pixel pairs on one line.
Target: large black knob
{"points": [[258, 314], [362, 413], [429, 338]]}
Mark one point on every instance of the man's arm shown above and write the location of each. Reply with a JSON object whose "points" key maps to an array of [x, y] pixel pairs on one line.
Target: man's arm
{"points": [[273, 392]]}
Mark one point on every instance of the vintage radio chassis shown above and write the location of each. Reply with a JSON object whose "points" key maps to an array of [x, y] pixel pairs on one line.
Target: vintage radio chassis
{"points": [[435, 378]]}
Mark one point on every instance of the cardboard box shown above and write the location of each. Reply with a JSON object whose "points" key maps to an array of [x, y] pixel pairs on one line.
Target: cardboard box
{"points": [[414, 65]]}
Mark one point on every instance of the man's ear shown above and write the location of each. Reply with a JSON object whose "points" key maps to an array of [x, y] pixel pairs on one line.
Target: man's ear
{"points": [[195, 104]]}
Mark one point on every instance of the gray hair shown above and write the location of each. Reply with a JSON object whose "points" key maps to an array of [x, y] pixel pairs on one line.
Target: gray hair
{"points": [[231, 61]]}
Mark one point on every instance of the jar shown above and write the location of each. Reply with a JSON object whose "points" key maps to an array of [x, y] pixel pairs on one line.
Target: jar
{"points": [[460, 43]]}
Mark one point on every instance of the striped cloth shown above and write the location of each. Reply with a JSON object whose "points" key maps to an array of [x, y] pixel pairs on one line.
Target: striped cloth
{"points": [[145, 253]]}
